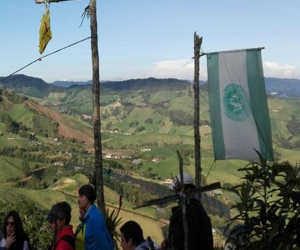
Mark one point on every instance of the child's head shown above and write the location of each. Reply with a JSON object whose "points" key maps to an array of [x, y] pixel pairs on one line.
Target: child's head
{"points": [[132, 235]]}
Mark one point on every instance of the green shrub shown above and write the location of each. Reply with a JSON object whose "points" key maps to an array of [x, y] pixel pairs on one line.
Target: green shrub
{"points": [[268, 208]]}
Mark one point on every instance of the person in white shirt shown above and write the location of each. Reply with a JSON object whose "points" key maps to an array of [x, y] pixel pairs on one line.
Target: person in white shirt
{"points": [[14, 237]]}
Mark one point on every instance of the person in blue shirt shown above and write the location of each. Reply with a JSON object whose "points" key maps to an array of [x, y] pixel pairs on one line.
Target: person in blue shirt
{"points": [[96, 235]]}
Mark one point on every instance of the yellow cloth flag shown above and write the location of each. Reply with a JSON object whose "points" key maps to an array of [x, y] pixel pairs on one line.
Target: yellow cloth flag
{"points": [[45, 32]]}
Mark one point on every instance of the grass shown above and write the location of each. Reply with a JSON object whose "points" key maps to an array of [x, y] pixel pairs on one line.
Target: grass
{"points": [[2, 127], [21, 114], [10, 168]]}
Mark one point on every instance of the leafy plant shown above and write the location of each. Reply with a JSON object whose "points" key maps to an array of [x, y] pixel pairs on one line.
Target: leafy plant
{"points": [[268, 208], [112, 221]]}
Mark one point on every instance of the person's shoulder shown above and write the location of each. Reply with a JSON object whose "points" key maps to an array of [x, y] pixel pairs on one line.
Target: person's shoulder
{"points": [[2, 242], [95, 212], [146, 245]]}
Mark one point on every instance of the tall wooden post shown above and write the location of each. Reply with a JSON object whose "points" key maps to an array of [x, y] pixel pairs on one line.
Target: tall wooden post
{"points": [[96, 107], [197, 138], [98, 175]]}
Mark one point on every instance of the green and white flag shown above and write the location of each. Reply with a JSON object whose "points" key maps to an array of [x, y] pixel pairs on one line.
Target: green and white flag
{"points": [[238, 105]]}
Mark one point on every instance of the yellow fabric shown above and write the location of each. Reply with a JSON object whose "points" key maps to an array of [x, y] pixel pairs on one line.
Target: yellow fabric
{"points": [[45, 32], [80, 239]]}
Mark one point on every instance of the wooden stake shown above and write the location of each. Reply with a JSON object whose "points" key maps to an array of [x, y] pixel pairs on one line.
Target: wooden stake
{"points": [[183, 204], [96, 108], [197, 138]]}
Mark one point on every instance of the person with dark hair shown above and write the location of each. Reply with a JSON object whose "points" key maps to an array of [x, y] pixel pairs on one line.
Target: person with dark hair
{"points": [[14, 237], [199, 224], [96, 235], [132, 237], [58, 219]]}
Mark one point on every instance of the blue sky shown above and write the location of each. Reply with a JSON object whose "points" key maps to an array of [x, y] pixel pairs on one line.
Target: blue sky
{"points": [[143, 38]]}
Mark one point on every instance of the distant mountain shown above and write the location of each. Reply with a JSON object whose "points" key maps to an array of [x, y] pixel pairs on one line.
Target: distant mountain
{"points": [[66, 84], [127, 84], [28, 85], [32, 86], [149, 84], [283, 87]]}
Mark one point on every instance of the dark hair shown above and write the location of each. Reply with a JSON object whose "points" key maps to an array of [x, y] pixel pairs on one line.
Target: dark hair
{"points": [[60, 211], [19, 231], [89, 191], [132, 230]]}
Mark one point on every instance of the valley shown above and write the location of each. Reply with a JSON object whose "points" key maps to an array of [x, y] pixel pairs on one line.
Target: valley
{"points": [[46, 145]]}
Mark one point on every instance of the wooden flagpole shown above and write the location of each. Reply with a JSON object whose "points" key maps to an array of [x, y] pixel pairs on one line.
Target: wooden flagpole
{"points": [[197, 138]]}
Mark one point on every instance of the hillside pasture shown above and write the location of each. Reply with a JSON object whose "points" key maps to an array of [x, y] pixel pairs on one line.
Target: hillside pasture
{"points": [[21, 114], [10, 168]]}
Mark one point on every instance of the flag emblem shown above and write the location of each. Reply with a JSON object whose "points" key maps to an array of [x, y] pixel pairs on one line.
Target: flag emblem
{"points": [[234, 102]]}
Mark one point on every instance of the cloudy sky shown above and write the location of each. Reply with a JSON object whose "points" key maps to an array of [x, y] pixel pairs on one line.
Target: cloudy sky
{"points": [[149, 38]]}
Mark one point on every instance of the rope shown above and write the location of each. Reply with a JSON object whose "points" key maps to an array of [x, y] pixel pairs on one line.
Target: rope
{"points": [[40, 58]]}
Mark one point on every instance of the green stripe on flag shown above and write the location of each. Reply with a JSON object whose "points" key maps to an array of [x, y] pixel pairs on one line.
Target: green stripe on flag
{"points": [[259, 104], [215, 105]]}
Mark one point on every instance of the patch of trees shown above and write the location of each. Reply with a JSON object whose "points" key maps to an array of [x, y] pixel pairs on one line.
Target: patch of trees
{"points": [[293, 126], [108, 126], [133, 124], [11, 125], [130, 191], [114, 164], [128, 109], [13, 97], [22, 153], [160, 105], [140, 129], [148, 121], [287, 144], [44, 126], [116, 111], [181, 118]]}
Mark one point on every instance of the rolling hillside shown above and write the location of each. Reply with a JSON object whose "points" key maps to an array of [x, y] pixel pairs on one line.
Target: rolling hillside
{"points": [[39, 119]]}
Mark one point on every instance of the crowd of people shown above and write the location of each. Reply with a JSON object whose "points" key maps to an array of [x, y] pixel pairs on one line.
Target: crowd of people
{"points": [[92, 233]]}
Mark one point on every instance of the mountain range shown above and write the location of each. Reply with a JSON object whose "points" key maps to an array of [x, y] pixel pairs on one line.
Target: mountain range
{"points": [[37, 87]]}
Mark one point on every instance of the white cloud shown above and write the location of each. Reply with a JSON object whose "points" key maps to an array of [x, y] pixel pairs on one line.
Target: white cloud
{"points": [[273, 69], [184, 69], [181, 69]]}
